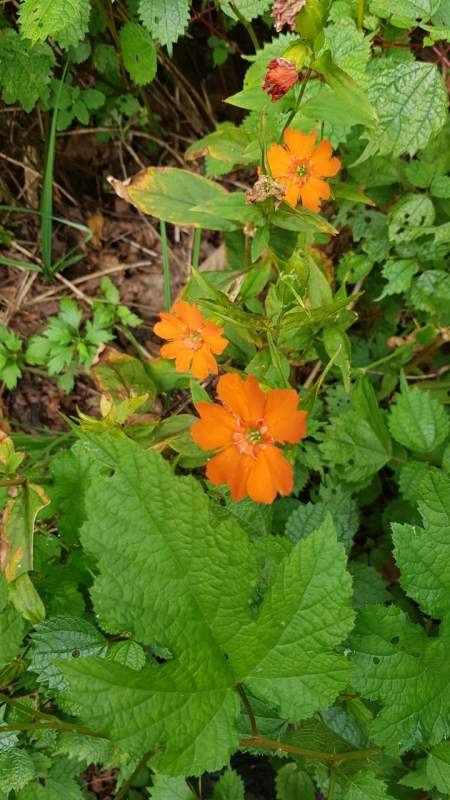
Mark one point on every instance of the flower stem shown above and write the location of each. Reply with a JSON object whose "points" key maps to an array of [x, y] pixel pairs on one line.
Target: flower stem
{"points": [[196, 249], [166, 266], [247, 25], [299, 99]]}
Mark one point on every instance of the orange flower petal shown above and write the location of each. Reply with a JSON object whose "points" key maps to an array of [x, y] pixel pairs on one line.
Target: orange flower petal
{"points": [[215, 428], [231, 468], [312, 191], [299, 144], [183, 360], [278, 159], [323, 165], [189, 313], [292, 195], [203, 362], [211, 335], [172, 349], [243, 397], [169, 327], [284, 421], [270, 473]]}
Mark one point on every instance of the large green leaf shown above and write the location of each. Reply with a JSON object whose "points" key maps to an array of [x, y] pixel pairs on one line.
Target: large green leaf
{"points": [[185, 584], [165, 19], [171, 194], [25, 71], [397, 663], [411, 102], [405, 13], [418, 421], [66, 21], [139, 53]]}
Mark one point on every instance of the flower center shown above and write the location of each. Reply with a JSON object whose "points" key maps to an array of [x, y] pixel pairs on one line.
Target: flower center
{"points": [[251, 437], [299, 170], [193, 341]]}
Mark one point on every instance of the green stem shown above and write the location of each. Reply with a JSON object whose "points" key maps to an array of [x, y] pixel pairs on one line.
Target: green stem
{"points": [[360, 14], [196, 248], [249, 709], [247, 25], [331, 784], [299, 99], [128, 784], [47, 188], [166, 266], [336, 758], [56, 725]]}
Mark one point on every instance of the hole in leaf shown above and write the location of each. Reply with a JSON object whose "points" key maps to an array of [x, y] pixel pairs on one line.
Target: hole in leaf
{"points": [[395, 639], [76, 653], [376, 660]]}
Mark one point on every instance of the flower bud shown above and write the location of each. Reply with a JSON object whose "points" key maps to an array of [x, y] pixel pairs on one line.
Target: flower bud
{"points": [[297, 52]]}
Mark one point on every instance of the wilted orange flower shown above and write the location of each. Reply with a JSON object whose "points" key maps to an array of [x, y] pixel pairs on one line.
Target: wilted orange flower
{"points": [[299, 166], [244, 429], [192, 339], [281, 76]]}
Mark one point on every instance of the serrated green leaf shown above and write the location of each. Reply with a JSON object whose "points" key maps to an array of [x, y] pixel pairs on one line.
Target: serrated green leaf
{"points": [[250, 9], [66, 21], [349, 47], [424, 553], [71, 471], [409, 216], [368, 585], [230, 786], [308, 517], [431, 292], [285, 654], [418, 421], [394, 660], [58, 638], [139, 53], [365, 786], [404, 13], [438, 767], [293, 783], [406, 126], [165, 21], [16, 769], [166, 788], [85, 749], [351, 444], [399, 275], [129, 653], [24, 71]]}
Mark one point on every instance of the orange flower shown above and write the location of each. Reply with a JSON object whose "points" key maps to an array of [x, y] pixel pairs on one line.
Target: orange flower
{"points": [[192, 339], [244, 429], [299, 167]]}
